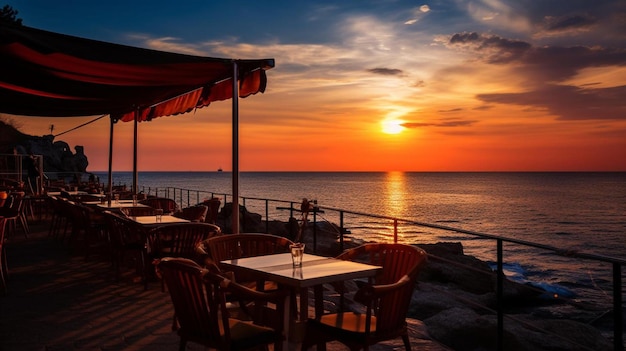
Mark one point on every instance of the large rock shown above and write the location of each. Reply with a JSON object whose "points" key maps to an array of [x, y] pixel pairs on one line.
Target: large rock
{"points": [[57, 155], [464, 329]]}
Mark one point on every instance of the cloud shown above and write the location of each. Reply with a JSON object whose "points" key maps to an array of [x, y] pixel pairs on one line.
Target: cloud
{"points": [[551, 77], [550, 63], [496, 49], [170, 44], [418, 14], [568, 102], [568, 23], [386, 71], [450, 123], [452, 110]]}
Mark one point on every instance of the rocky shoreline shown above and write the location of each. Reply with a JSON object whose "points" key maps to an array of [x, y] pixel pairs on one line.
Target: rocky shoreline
{"points": [[455, 296]]}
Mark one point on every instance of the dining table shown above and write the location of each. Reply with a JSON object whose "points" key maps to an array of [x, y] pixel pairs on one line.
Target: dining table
{"points": [[106, 205], [314, 271], [151, 221]]}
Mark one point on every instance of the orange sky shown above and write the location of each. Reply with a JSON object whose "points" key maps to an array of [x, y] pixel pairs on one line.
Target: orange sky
{"points": [[505, 92]]}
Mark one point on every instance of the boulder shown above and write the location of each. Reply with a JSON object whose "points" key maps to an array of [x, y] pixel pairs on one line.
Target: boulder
{"points": [[465, 330]]}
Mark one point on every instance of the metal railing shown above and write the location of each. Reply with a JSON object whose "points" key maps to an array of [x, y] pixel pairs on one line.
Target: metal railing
{"points": [[187, 197]]}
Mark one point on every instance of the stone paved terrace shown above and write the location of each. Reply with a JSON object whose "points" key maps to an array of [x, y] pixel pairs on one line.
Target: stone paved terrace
{"points": [[60, 301]]}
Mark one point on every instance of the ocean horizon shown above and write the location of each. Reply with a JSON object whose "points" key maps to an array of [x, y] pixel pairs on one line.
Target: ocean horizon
{"points": [[573, 211]]}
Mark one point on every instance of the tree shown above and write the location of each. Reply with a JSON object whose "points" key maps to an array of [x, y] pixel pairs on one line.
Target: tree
{"points": [[8, 14]]}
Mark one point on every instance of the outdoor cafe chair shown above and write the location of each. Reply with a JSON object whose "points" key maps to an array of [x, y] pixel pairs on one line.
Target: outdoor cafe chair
{"points": [[125, 238], [16, 205], [201, 311], [195, 213], [385, 300], [168, 206], [213, 205], [4, 270], [179, 240], [233, 246]]}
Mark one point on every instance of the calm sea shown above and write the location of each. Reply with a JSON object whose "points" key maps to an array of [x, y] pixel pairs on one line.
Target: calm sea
{"points": [[583, 212]]}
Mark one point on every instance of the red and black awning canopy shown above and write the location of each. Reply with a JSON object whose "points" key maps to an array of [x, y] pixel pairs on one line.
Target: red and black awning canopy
{"points": [[55, 75]]}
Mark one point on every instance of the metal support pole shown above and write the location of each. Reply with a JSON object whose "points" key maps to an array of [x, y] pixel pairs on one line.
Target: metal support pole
{"points": [[110, 195], [135, 139], [500, 297], [235, 126]]}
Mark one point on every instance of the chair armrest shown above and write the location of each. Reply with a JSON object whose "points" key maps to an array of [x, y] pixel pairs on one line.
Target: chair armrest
{"points": [[371, 292]]}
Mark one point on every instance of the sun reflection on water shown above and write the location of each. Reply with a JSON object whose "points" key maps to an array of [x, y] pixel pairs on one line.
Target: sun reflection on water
{"points": [[395, 194]]}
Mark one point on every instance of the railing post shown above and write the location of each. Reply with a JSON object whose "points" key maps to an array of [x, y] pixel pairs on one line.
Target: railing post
{"points": [[314, 230], [618, 340], [395, 230], [500, 297], [341, 231], [267, 216]]}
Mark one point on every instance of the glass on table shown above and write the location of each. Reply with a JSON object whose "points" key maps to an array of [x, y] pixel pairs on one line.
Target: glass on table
{"points": [[117, 198], [159, 215], [297, 251]]}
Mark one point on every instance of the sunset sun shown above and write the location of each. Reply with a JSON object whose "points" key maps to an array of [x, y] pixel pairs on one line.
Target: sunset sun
{"points": [[392, 126]]}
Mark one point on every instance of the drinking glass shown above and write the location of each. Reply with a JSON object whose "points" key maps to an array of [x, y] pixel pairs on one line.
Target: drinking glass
{"points": [[297, 251], [159, 215]]}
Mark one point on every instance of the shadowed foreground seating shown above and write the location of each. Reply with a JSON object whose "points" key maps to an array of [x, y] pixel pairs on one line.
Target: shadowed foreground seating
{"points": [[213, 205], [4, 271], [180, 240], [198, 298], [385, 300], [138, 211], [168, 206], [232, 246], [193, 213], [125, 238]]}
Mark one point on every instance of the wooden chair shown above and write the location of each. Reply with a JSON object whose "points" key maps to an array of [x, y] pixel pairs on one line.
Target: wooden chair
{"points": [[232, 246], [17, 205], [4, 270], [125, 238], [179, 240], [385, 299], [213, 205], [168, 206], [193, 213], [198, 298]]}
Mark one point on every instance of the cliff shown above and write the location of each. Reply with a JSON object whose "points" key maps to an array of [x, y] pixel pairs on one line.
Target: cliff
{"points": [[57, 155]]}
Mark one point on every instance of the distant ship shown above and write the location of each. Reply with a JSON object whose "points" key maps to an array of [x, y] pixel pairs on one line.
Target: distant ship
{"points": [[219, 169]]}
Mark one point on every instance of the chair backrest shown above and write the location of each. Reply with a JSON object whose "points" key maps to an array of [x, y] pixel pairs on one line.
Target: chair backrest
{"points": [[199, 306], [195, 213], [180, 239], [122, 231], [213, 205], [231, 246], [398, 261], [167, 205]]}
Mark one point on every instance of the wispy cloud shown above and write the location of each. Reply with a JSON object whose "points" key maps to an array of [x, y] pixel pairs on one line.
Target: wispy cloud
{"points": [[386, 71]]}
